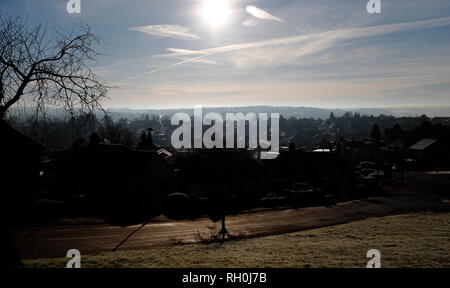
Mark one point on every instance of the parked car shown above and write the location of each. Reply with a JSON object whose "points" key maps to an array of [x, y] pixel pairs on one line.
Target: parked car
{"points": [[304, 194], [300, 186], [366, 165], [272, 202]]}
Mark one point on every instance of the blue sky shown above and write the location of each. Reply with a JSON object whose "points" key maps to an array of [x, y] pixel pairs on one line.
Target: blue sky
{"points": [[333, 54]]}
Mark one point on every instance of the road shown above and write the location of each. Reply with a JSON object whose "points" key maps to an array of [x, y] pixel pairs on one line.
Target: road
{"points": [[56, 240]]}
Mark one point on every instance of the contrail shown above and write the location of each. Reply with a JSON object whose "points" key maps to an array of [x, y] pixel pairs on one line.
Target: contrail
{"points": [[332, 35], [164, 68]]}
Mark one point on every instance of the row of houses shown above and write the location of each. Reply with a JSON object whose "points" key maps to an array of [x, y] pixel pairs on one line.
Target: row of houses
{"points": [[118, 181], [114, 180], [425, 154]]}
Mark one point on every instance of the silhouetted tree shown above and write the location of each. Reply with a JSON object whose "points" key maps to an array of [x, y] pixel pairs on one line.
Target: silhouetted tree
{"points": [[332, 117], [222, 204], [47, 70], [375, 134], [52, 69], [393, 133], [221, 201], [347, 114], [114, 133], [396, 131], [146, 140]]}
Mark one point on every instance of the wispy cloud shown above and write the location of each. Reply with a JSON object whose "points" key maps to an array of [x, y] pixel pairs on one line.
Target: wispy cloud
{"points": [[184, 51], [166, 67], [250, 22], [184, 54], [307, 44], [407, 82], [174, 31], [261, 14], [344, 34], [316, 42]]}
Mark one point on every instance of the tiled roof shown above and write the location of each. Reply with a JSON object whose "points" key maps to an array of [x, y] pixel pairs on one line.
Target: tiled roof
{"points": [[423, 144]]}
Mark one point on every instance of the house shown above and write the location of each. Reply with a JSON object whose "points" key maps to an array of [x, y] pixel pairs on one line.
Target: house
{"points": [[429, 153], [393, 152], [120, 182], [363, 150], [19, 168], [206, 172], [423, 146], [311, 167]]}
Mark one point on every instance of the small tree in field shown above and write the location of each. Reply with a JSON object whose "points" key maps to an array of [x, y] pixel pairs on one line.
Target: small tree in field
{"points": [[222, 205], [43, 69], [221, 173]]}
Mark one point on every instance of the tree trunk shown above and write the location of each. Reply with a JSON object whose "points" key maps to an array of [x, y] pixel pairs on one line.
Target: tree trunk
{"points": [[223, 233], [223, 223]]}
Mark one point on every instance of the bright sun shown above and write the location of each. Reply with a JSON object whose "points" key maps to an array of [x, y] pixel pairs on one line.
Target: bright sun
{"points": [[216, 12]]}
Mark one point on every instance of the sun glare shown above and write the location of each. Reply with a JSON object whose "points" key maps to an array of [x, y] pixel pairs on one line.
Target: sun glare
{"points": [[216, 12]]}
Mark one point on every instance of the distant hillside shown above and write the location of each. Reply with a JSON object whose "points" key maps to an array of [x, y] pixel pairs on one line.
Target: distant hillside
{"points": [[286, 111]]}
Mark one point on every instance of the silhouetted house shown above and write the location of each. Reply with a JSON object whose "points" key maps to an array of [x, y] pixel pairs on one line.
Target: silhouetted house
{"points": [[312, 167], [209, 171], [122, 182], [393, 152], [429, 153], [356, 151], [423, 146], [20, 167]]}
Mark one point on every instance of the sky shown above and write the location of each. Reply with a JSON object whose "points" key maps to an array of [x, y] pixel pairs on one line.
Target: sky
{"points": [[319, 53]]}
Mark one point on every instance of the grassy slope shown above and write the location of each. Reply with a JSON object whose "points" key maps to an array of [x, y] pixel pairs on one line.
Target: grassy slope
{"points": [[412, 240]]}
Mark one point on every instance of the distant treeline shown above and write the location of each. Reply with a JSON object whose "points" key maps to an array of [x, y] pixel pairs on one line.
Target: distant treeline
{"points": [[287, 111], [59, 133]]}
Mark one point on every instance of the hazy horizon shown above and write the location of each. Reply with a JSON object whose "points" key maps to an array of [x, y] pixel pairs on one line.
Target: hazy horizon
{"points": [[290, 106], [286, 111]]}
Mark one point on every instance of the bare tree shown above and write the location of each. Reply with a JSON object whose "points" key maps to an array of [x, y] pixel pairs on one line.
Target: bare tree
{"points": [[47, 69]]}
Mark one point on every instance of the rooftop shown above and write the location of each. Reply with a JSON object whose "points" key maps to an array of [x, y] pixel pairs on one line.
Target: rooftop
{"points": [[423, 144]]}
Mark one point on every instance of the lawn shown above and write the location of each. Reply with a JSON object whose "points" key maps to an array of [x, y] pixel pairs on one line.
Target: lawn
{"points": [[411, 240]]}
